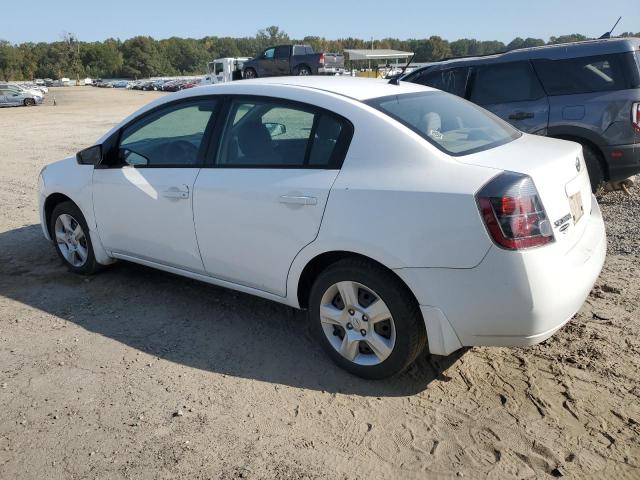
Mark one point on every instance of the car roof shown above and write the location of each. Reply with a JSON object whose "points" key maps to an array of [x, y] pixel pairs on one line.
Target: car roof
{"points": [[353, 87], [552, 52]]}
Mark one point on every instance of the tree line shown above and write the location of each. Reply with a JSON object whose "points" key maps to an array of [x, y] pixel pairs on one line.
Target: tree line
{"points": [[141, 57]]}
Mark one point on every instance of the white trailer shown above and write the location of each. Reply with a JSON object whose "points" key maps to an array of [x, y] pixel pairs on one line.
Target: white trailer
{"points": [[224, 70]]}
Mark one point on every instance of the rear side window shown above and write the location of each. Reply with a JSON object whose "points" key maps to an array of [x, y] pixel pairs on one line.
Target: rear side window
{"points": [[269, 134], [282, 52], [452, 124], [452, 80], [504, 83], [582, 75]]}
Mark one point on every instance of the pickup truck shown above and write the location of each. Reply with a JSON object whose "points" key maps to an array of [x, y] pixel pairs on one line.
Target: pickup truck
{"points": [[292, 60]]}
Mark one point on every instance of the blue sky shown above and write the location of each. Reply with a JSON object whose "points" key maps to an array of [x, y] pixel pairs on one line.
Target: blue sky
{"points": [[481, 19]]}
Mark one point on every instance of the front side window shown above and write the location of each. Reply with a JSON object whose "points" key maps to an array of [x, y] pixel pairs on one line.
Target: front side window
{"points": [[169, 137], [504, 83], [269, 53], [267, 134], [452, 124], [582, 75], [452, 80]]}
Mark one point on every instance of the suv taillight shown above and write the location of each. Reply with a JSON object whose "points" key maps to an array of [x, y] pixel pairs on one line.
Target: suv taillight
{"points": [[513, 213], [635, 116], [321, 60]]}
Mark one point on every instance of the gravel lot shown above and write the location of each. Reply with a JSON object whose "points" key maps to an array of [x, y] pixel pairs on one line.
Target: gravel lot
{"points": [[139, 374]]}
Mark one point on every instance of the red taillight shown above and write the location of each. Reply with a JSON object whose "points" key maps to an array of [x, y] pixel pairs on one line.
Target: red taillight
{"points": [[513, 213], [635, 116], [321, 60]]}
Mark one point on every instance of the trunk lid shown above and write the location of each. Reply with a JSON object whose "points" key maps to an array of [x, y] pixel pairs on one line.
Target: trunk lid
{"points": [[559, 173]]}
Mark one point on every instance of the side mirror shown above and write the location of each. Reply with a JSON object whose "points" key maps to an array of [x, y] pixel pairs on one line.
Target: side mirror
{"points": [[90, 156], [276, 129]]}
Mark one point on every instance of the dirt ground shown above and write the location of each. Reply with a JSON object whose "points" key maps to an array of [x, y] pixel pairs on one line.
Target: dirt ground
{"points": [[139, 374]]}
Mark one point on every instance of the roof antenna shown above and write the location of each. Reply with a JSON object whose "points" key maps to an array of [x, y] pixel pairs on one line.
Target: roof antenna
{"points": [[608, 34], [396, 79]]}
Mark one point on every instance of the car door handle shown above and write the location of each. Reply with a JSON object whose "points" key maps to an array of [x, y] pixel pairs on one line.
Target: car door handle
{"points": [[298, 200], [520, 115], [175, 192]]}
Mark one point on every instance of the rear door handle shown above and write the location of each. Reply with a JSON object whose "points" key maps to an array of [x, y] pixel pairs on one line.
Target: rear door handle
{"points": [[176, 192], [298, 200], [520, 115]]}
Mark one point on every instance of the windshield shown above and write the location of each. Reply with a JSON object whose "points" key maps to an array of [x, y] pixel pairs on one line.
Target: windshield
{"points": [[454, 125]]}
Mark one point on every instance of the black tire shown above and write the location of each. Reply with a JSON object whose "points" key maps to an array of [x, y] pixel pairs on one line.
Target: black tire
{"points": [[90, 266], [250, 73], [410, 333], [593, 160], [29, 102], [304, 71]]}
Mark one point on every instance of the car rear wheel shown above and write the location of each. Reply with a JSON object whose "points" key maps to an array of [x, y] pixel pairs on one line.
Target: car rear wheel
{"points": [[304, 70], [366, 319], [594, 167], [71, 237], [250, 73], [29, 102]]}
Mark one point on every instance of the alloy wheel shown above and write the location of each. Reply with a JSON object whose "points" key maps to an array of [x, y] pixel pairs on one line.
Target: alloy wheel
{"points": [[71, 240], [357, 323]]}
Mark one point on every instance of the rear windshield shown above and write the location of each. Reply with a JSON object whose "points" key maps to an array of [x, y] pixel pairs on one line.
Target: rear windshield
{"points": [[454, 125]]}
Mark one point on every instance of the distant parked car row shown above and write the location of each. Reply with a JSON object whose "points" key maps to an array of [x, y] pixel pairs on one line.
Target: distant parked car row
{"points": [[167, 85]]}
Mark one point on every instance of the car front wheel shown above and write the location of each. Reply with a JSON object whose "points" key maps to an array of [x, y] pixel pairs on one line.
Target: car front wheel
{"points": [[366, 319], [70, 235]]}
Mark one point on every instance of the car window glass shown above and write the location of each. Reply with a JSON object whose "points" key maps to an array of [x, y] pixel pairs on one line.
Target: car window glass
{"points": [[171, 137], [266, 134], [452, 80], [505, 82], [581, 75], [269, 53], [452, 124], [282, 52], [326, 137]]}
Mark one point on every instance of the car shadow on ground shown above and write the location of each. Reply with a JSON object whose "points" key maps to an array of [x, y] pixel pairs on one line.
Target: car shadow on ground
{"points": [[189, 322]]}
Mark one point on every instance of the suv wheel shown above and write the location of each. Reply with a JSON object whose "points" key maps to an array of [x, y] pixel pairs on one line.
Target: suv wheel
{"points": [[250, 73], [594, 167], [365, 319]]}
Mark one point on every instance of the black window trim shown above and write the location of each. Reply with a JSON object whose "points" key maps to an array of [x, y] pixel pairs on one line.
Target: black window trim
{"points": [[213, 134], [375, 103], [337, 158], [111, 158]]}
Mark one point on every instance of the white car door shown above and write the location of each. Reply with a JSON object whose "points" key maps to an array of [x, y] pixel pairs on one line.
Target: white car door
{"points": [[264, 198], [143, 195]]}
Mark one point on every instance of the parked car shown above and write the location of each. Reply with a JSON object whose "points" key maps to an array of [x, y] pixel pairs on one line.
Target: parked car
{"points": [[397, 215], [120, 84], [292, 60], [11, 96], [588, 92]]}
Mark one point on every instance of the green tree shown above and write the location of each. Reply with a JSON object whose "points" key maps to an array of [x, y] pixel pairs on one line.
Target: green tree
{"points": [[9, 60]]}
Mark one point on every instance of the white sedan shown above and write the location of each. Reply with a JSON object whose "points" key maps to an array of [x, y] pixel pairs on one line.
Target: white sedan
{"points": [[399, 216]]}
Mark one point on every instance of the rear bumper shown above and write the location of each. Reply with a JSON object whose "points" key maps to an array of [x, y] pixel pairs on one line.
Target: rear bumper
{"points": [[510, 298], [623, 160], [330, 70]]}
